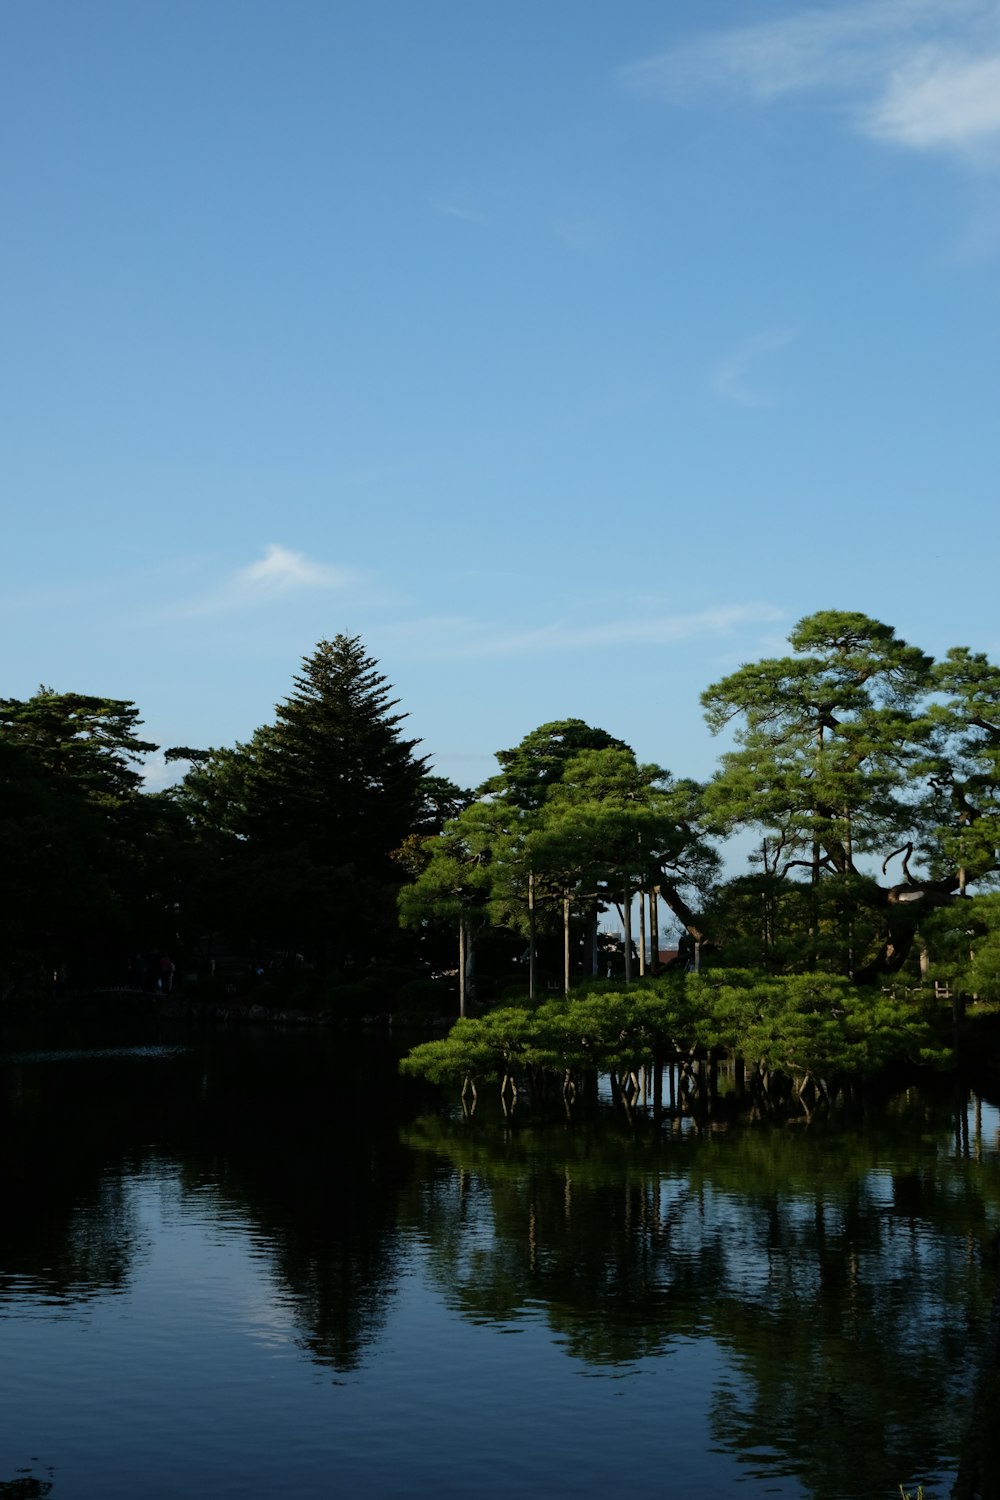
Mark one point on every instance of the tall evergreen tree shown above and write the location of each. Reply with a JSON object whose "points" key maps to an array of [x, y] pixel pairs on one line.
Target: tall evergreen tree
{"points": [[315, 805], [334, 772]]}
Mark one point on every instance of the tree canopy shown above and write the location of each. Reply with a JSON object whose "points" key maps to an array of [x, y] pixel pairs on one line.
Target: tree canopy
{"points": [[866, 774], [849, 760], [315, 804]]}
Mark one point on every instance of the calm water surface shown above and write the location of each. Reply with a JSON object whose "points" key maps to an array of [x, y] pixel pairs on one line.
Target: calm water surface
{"points": [[252, 1266]]}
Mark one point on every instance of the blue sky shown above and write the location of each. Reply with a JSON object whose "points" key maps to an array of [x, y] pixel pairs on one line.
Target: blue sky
{"points": [[568, 351]]}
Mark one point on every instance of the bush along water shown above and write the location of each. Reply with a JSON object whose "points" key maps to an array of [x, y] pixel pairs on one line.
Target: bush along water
{"points": [[799, 1039]]}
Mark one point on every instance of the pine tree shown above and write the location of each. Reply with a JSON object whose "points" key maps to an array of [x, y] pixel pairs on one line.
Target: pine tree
{"points": [[320, 800], [76, 837], [334, 772], [842, 767]]}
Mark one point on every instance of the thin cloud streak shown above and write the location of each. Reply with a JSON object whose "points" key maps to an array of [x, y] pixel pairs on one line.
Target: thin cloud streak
{"points": [[922, 74], [458, 211], [733, 378], [465, 639], [819, 48]]}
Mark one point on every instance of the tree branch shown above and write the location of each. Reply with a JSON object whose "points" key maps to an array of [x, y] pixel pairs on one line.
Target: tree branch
{"points": [[907, 852]]}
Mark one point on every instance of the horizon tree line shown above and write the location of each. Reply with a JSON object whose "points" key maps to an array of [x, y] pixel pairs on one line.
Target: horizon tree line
{"points": [[867, 773]]}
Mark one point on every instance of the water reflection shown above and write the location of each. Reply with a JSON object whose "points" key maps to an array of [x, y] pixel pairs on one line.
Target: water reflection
{"points": [[281, 1140], [847, 1276], [24, 1487], [841, 1278]]}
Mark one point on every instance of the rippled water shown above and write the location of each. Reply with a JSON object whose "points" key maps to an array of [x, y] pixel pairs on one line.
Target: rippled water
{"points": [[256, 1267]]}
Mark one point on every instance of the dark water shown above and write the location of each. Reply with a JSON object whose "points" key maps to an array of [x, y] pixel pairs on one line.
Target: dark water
{"points": [[253, 1267]]}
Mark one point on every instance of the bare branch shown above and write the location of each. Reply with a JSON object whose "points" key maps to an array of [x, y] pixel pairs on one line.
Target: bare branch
{"points": [[907, 851], [824, 864]]}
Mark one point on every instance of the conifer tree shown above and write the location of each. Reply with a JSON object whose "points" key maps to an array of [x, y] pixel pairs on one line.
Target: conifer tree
{"points": [[844, 769], [334, 772], [76, 837], [315, 805]]}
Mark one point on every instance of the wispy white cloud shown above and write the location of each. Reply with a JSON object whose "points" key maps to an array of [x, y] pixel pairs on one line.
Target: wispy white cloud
{"points": [[281, 571], [940, 100], [736, 376], [924, 74], [462, 638], [809, 50], [278, 574]]}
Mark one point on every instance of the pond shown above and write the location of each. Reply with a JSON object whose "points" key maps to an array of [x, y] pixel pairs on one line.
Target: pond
{"points": [[243, 1265]]}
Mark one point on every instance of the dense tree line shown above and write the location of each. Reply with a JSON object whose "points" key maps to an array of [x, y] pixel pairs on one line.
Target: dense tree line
{"points": [[278, 850], [866, 774]]}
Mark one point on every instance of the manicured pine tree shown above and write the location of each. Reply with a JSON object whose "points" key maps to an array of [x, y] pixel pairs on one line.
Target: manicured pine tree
{"points": [[835, 754], [531, 769]]}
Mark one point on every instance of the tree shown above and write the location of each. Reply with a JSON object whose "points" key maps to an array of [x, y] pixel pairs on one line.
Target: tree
{"points": [[569, 822], [314, 806], [529, 773], [334, 771], [531, 769], [477, 872], [440, 800], [77, 835], [842, 766], [610, 826], [454, 884], [85, 744], [962, 837]]}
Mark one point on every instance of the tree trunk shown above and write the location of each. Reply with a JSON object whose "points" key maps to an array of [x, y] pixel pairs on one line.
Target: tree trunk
{"points": [[470, 963], [654, 930], [627, 923], [461, 966], [684, 914], [642, 933], [532, 938], [904, 907], [593, 920]]}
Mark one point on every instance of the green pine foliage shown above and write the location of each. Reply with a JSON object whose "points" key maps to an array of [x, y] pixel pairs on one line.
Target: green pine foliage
{"points": [[571, 820], [530, 770], [334, 771], [308, 815], [816, 1026], [867, 774], [857, 758], [79, 873]]}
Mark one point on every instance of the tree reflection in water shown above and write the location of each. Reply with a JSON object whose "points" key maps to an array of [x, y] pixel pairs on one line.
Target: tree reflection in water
{"points": [[845, 1273], [281, 1137], [847, 1276]]}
